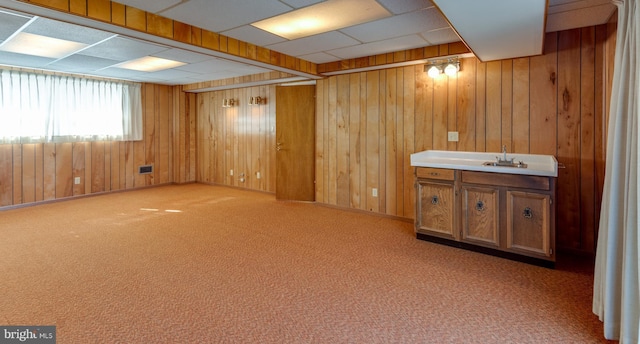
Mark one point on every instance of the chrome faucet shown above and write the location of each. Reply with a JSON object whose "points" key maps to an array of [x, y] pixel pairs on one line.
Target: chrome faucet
{"points": [[504, 160]]}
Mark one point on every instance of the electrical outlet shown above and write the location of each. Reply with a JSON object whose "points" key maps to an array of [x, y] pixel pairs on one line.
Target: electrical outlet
{"points": [[374, 192], [257, 175], [453, 136], [231, 172], [76, 180]]}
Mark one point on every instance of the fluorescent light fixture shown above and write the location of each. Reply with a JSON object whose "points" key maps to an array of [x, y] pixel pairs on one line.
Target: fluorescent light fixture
{"points": [[323, 17], [37, 45], [150, 64]]}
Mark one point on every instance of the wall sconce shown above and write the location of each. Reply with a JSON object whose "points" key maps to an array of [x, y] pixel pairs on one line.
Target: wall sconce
{"points": [[450, 67], [228, 103], [257, 100]]}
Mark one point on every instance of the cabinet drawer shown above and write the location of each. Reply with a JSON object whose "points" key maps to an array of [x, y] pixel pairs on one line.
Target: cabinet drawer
{"points": [[505, 179], [435, 173]]}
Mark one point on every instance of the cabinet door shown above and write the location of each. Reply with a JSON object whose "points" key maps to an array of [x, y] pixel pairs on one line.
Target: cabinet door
{"points": [[528, 223], [435, 209], [480, 216]]}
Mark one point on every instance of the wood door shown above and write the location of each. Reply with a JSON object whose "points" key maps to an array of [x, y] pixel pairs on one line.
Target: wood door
{"points": [[295, 143]]}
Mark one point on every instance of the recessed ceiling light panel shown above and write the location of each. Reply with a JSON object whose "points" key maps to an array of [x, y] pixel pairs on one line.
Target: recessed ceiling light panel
{"points": [[323, 17], [31, 44], [149, 64]]}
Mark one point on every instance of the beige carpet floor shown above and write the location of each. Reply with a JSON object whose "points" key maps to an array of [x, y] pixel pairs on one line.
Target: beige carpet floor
{"points": [[206, 264]]}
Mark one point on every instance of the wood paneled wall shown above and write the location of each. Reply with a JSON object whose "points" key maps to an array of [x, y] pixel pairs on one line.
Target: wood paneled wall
{"points": [[32, 173], [239, 138], [369, 123]]}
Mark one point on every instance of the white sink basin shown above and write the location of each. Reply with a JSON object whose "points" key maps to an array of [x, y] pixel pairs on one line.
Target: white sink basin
{"points": [[536, 164]]}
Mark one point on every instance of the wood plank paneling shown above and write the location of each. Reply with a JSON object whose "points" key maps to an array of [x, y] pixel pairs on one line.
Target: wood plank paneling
{"points": [[440, 113], [356, 128], [466, 106], [520, 96], [342, 142], [239, 138], [6, 175], [407, 195], [373, 142], [78, 167], [587, 131], [17, 173], [506, 135], [63, 170], [391, 138], [28, 173], [493, 128], [544, 97], [542, 105], [569, 131]]}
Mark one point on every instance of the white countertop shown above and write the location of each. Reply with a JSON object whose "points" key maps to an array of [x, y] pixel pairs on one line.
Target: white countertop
{"points": [[537, 165]]}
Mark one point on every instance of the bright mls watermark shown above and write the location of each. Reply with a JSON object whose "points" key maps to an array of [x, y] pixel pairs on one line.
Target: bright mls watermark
{"points": [[28, 334]]}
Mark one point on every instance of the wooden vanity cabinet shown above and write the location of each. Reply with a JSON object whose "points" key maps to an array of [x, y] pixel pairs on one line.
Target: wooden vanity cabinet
{"points": [[510, 215]]}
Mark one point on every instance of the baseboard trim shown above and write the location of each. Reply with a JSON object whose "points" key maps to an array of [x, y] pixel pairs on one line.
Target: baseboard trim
{"points": [[70, 198]]}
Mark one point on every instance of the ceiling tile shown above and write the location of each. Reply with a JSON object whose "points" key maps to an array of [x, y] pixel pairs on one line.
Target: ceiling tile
{"points": [[21, 60], [81, 63], [208, 66], [301, 3], [154, 6], [119, 73], [440, 36], [319, 58], [253, 35], [123, 49], [248, 70], [169, 74], [396, 26], [579, 17], [404, 6], [227, 14], [313, 44], [69, 32], [381, 47], [9, 23], [182, 55]]}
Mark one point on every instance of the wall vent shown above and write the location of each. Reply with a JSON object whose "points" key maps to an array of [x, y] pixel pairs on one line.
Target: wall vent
{"points": [[145, 169]]}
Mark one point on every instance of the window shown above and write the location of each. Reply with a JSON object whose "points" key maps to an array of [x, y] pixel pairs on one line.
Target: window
{"points": [[41, 107]]}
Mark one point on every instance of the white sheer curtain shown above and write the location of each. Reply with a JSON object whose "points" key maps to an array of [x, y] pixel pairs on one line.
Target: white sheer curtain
{"points": [[616, 291], [39, 107]]}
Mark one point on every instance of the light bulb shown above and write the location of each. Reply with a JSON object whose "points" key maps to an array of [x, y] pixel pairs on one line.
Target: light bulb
{"points": [[434, 71], [451, 69]]}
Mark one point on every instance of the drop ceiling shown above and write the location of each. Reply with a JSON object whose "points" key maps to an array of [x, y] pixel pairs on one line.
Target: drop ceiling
{"points": [[412, 24]]}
